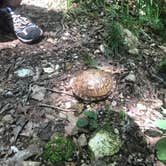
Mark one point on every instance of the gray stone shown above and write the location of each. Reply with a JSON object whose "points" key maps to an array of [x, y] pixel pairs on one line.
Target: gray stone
{"points": [[9, 94], [99, 163], [134, 51], [163, 48], [38, 92], [29, 163], [82, 140], [8, 119], [130, 40], [131, 77], [84, 164], [25, 154]]}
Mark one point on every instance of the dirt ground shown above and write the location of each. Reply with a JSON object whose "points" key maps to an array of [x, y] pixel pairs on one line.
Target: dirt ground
{"points": [[33, 107]]}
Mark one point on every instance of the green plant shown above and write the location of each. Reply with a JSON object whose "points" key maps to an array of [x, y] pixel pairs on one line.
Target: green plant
{"points": [[161, 149], [162, 65], [161, 144], [114, 36], [149, 13], [122, 114], [161, 124], [58, 149], [90, 62], [88, 121], [69, 3]]}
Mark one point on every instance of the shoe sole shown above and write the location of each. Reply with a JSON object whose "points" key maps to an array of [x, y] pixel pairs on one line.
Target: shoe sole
{"points": [[30, 40]]}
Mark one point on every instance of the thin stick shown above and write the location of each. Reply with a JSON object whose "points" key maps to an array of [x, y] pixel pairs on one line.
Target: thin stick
{"points": [[60, 92], [53, 107]]}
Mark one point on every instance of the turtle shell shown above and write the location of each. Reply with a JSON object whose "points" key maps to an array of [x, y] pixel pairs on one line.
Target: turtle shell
{"points": [[92, 84]]}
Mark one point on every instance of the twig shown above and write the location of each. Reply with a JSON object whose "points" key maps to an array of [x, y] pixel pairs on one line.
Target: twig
{"points": [[17, 133], [60, 92], [53, 107]]}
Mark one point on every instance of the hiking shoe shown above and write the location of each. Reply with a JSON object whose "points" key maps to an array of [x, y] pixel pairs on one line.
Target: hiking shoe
{"points": [[24, 29]]}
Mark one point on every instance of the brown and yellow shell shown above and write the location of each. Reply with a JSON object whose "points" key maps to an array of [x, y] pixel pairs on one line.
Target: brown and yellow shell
{"points": [[92, 84]]}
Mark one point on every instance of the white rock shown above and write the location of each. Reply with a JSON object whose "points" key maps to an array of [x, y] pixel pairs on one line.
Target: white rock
{"points": [[24, 72], [102, 48], [57, 67], [131, 77], [134, 51], [14, 149], [48, 69]]}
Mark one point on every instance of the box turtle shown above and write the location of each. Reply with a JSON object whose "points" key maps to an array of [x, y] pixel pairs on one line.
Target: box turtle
{"points": [[92, 84]]}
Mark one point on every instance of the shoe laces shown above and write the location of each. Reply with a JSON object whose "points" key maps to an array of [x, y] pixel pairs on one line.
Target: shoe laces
{"points": [[19, 22]]}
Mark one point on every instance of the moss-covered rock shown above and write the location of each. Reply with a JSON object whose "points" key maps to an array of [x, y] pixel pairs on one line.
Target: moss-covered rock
{"points": [[58, 149], [104, 143]]}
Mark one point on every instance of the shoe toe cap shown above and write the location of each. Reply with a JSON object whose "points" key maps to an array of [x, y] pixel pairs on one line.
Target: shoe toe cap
{"points": [[30, 34]]}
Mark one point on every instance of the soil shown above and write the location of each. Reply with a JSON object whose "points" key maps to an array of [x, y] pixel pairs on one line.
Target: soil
{"points": [[35, 107]]}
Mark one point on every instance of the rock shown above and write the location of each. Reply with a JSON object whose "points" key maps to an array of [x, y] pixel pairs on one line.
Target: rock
{"points": [[45, 131], [116, 131], [104, 143], [38, 92], [134, 51], [163, 111], [114, 103], [65, 36], [96, 52], [131, 77], [102, 48], [163, 48], [51, 40], [24, 72], [99, 163], [9, 94], [8, 119], [84, 164], [14, 149], [130, 40], [28, 163], [25, 154], [57, 67], [48, 70], [82, 140]]}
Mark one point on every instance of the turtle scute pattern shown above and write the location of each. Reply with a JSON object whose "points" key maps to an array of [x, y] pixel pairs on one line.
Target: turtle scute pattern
{"points": [[92, 84]]}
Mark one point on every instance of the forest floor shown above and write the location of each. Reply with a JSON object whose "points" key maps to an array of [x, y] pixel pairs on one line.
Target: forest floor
{"points": [[33, 109]]}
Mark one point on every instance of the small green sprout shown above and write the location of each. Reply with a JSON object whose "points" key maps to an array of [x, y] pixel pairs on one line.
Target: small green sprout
{"points": [[88, 121]]}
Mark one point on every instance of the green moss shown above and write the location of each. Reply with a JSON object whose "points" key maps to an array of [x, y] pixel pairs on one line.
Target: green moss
{"points": [[58, 149]]}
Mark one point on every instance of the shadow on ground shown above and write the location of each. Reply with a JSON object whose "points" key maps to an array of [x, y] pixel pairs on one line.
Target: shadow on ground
{"points": [[61, 50]]}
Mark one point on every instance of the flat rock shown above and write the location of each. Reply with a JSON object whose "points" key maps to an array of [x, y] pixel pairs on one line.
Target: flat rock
{"points": [[28, 163], [104, 143], [82, 140], [134, 51], [131, 77], [24, 72], [38, 92]]}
